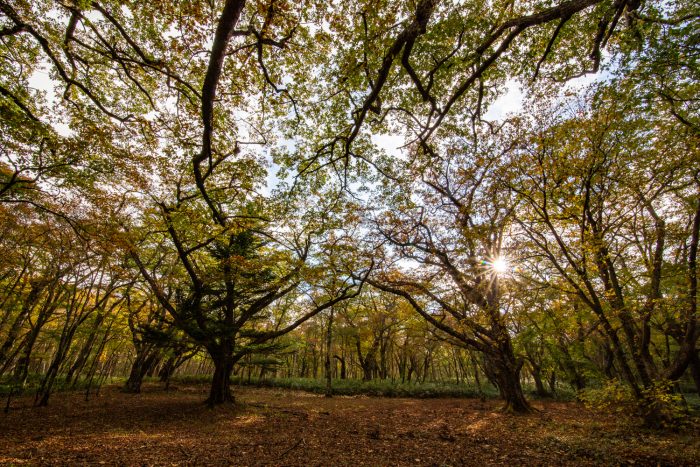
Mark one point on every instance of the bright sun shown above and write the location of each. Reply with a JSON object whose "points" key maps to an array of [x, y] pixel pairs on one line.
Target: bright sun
{"points": [[500, 265]]}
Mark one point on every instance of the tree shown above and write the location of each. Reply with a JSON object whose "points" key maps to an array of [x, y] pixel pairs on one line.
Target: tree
{"points": [[447, 225], [617, 225], [225, 285], [222, 145]]}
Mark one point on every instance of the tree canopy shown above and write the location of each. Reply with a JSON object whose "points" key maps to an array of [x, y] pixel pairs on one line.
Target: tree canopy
{"points": [[243, 184]]}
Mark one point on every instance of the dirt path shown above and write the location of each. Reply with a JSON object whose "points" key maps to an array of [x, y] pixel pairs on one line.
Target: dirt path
{"points": [[279, 427]]}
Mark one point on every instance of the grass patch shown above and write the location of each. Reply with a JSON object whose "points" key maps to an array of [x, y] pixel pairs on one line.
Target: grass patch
{"points": [[60, 385], [353, 387]]}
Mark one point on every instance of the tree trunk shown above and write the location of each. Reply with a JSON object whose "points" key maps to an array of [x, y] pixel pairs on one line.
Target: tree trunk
{"points": [[302, 370], [314, 362], [504, 370], [401, 364], [477, 379], [22, 366], [74, 371], [144, 360], [536, 373], [426, 366], [166, 369], [343, 373], [567, 364], [37, 287], [220, 392], [42, 395], [96, 360], [553, 382], [695, 370], [368, 367], [383, 347], [171, 366], [329, 342], [152, 368]]}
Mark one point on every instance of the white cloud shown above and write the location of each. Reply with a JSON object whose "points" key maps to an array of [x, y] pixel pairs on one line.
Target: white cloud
{"points": [[509, 102], [390, 143]]}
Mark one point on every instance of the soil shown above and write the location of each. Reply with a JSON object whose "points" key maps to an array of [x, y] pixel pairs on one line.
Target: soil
{"points": [[282, 427]]}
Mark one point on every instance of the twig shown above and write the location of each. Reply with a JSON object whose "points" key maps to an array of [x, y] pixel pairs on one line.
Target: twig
{"points": [[301, 440]]}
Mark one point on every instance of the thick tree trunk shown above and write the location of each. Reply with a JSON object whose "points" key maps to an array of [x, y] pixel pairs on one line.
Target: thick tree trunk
{"points": [[383, 349], [504, 370], [139, 368], [427, 360], [220, 392], [133, 383]]}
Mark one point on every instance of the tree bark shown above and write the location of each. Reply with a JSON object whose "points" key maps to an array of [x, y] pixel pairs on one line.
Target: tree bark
{"points": [[329, 341], [504, 370], [220, 392], [139, 368]]}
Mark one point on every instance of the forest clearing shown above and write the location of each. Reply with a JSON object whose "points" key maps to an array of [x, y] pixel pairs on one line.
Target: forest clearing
{"points": [[284, 427], [333, 232]]}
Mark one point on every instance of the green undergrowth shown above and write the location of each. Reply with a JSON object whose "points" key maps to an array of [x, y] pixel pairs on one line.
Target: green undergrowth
{"points": [[693, 401], [347, 387], [33, 382], [378, 388], [353, 387]]}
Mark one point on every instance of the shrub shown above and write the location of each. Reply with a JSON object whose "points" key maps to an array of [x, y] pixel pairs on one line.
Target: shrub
{"points": [[658, 406], [613, 396]]}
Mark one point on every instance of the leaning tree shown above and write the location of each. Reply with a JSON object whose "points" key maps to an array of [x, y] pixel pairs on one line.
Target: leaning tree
{"points": [[445, 243]]}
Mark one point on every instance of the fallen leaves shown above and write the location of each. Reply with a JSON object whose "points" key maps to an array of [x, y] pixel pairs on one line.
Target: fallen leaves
{"points": [[267, 427]]}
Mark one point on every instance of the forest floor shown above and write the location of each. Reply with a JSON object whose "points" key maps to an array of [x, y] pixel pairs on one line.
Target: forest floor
{"points": [[283, 427]]}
